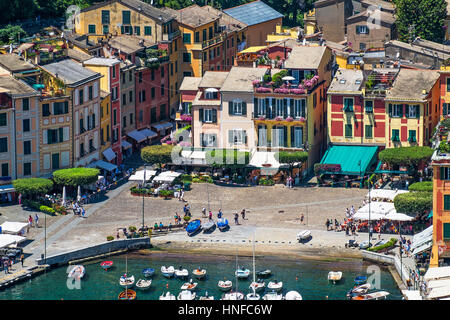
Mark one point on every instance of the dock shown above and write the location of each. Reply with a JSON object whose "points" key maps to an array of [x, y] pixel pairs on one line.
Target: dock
{"points": [[23, 274]]}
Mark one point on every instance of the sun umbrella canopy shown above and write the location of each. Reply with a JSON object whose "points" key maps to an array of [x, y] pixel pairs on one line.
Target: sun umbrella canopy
{"points": [[288, 78]]}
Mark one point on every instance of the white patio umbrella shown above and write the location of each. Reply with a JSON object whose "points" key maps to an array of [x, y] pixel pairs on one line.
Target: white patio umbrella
{"points": [[64, 196], [288, 78], [79, 193]]}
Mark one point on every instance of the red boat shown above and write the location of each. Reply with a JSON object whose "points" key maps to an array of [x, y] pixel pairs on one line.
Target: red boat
{"points": [[106, 264]]}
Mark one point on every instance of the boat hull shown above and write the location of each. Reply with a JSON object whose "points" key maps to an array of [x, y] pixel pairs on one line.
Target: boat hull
{"points": [[127, 295]]}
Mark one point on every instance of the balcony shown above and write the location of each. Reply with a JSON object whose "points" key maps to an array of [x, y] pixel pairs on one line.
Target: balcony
{"points": [[275, 87], [181, 116], [274, 117], [171, 36], [211, 42]]}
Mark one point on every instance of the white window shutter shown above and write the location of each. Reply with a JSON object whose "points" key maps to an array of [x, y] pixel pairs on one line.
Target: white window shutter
{"points": [[44, 137], [86, 94], [95, 89], [95, 142], [66, 133], [46, 161], [76, 96], [65, 159]]}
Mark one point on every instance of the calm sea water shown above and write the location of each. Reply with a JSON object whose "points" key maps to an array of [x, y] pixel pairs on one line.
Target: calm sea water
{"points": [[305, 276]]}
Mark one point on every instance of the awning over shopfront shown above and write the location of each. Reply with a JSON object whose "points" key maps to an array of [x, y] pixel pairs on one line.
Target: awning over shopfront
{"points": [[422, 241], [384, 194], [354, 160], [102, 165], [149, 134], [126, 144], [9, 239], [7, 188], [137, 136], [162, 126], [264, 159], [437, 273], [13, 227], [109, 154], [167, 176]]}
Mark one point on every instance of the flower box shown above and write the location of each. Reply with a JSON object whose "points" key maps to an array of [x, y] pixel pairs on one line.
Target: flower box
{"points": [[263, 90], [185, 117], [262, 117], [301, 119], [297, 91], [289, 119], [278, 118]]}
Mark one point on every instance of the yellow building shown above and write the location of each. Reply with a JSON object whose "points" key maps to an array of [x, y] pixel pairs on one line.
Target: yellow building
{"points": [[105, 120], [282, 34], [310, 22]]}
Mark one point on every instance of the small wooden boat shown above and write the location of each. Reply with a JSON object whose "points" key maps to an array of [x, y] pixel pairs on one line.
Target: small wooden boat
{"points": [[167, 296], [186, 295], [167, 272], [208, 225], [242, 273], [77, 272], [258, 285], [181, 273], [264, 273], [193, 227], [225, 285], [199, 273], [359, 280], [372, 296], [126, 281], [222, 224], [206, 297], [293, 295], [334, 276], [143, 284], [275, 285], [233, 296], [127, 295], [106, 265], [273, 296], [148, 272], [189, 285], [303, 235]]}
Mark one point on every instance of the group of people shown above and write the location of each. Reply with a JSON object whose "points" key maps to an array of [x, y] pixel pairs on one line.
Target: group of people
{"points": [[405, 246], [78, 209], [30, 221]]}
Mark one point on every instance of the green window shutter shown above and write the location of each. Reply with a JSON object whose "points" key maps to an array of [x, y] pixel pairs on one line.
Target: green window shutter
{"points": [[244, 108], [442, 173], [66, 106], [122, 29], [446, 202], [105, 16], [200, 114], [407, 110], [390, 109], [292, 137], [137, 31], [91, 28], [147, 30], [126, 17], [368, 132], [417, 111], [214, 115], [444, 109], [348, 131], [187, 38], [285, 104], [60, 134], [446, 231], [202, 143], [255, 107], [230, 108]]}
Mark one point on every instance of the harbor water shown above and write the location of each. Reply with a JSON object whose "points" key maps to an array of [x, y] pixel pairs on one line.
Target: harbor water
{"points": [[308, 277]]}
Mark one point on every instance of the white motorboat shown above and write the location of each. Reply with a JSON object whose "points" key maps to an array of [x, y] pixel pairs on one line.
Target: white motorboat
{"points": [[275, 285], [334, 276], [77, 272], [167, 296], [126, 281], [293, 295], [372, 296], [233, 296], [362, 289], [189, 285], [186, 295], [199, 273], [258, 285], [143, 284], [303, 235], [242, 273], [225, 285], [252, 296], [273, 296], [181, 273], [206, 297], [167, 272], [208, 225], [264, 273]]}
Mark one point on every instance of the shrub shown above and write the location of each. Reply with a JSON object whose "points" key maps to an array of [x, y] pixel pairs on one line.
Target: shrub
{"points": [[422, 186], [59, 209], [166, 193], [389, 244], [277, 78], [414, 202], [186, 178], [223, 157], [159, 154], [132, 228], [444, 147], [109, 238], [33, 186], [266, 182], [47, 210], [31, 204], [186, 218], [405, 155], [76, 176]]}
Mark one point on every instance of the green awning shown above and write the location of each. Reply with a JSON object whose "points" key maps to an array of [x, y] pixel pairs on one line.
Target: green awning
{"points": [[352, 159]]}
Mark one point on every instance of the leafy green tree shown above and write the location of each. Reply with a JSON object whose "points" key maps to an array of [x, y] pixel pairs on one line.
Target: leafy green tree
{"points": [[414, 203], [11, 34], [33, 186], [291, 158], [159, 154], [421, 18], [76, 176], [421, 186], [411, 156]]}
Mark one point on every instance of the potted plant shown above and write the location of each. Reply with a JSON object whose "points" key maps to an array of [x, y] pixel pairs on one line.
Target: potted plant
{"points": [[278, 118], [109, 238]]}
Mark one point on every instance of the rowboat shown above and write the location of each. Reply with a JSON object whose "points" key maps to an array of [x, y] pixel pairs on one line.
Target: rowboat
{"points": [[77, 272], [148, 272], [199, 273], [206, 297], [273, 296], [303, 235], [181, 273], [193, 227], [167, 272], [359, 280], [186, 295], [275, 285], [208, 225], [334, 276], [233, 296], [106, 264], [143, 284], [222, 224], [372, 296], [258, 285], [127, 295], [167, 296], [126, 281], [293, 295], [225, 285], [189, 285], [242, 273], [264, 273]]}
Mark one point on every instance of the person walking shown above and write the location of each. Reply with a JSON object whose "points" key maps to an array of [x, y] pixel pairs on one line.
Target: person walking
{"points": [[20, 199], [243, 214], [236, 218], [36, 218], [22, 257], [30, 221], [210, 215], [301, 218]]}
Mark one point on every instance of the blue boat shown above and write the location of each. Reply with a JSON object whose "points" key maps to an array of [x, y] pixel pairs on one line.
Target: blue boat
{"points": [[148, 272], [359, 280], [193, 226], [222, 224]]}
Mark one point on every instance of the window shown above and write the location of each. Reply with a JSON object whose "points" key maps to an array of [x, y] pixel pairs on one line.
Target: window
{"points": [[105, 29], [141, 115], [395, 135], [114, 117], [279, 108], [131, 118], [446, 231], [90, 92], [348, 131], [362, 30], [412, 136], [126, 17], [171, 69], [448, 84], [105, 17], [368, 106], [130, 76], [153, 93], [348, 104], [3, 121], [447, 202], [140, 77], [147, 31], [261, 103], [27, 147], [211, 34], [298, 137], [162, 89], [55, 161], [186, 57], [162, 72], [187, 38], [368, 131], [236, 136], [217, 51], [26, 125], [397, 110], [237, 106], [91, 28], [4, 144], [445, 173], [153, 115], [207, 115], [162, 112], [137, 31], [211, 95], [412, 111], [60, 108], [131, 96], [152, 74], [81, 96], [5, 170], [27, 169], [278, 136], [25, 104], [204, 35], [299, 108], [124, 121], [208, 140], [197, 37], [124, 99]]}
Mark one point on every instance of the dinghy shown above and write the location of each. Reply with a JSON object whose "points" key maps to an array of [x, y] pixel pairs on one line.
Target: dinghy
{"points": [[189, 285], [167, 296], [293, 295], [206, 297], [273, 296], [225, 285], [222, 224], [148, 272], [359, 290], [167, 272], [106, 265], [207, 226], [127, 295], [275, 285], [258, 285], [186, 295], [334, 276], [126, 281], [233, 296], [303, 235], [193, 227], [181, 273], [199, 273], [253, 296], [77, 272], [242, 273], [143, 284], [372, 296], [264, 273]]}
